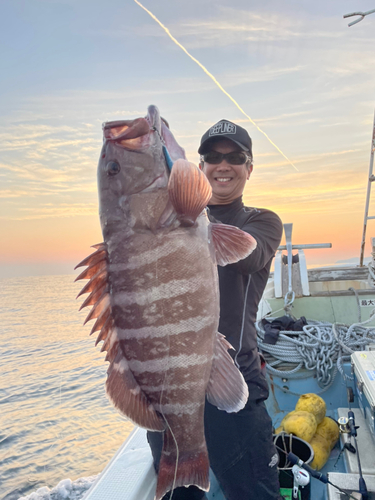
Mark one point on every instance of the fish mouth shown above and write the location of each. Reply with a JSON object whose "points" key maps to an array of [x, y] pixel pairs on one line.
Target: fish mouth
{"points": [[135, 134], [156, 121], [153, 118], [132, 135]]}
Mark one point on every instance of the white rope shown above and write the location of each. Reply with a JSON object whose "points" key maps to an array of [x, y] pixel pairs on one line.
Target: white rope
{"points": [[321, 348]]}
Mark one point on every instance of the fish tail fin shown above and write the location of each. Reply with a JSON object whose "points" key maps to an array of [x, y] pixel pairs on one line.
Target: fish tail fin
{"points": [[192, 469]]}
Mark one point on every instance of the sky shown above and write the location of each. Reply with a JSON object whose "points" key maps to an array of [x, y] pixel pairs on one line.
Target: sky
{"points": [[295, 67]]}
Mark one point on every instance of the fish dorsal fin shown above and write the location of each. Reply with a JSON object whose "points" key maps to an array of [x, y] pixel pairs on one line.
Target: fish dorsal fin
{"points": [[189, 191], [226, 388], [122, 388], [231, 243], [96, 271], [126, 395], [96, 262]]}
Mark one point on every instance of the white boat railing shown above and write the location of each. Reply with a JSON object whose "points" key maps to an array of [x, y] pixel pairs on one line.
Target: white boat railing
{"points": [[301, 268], [129, 475]]}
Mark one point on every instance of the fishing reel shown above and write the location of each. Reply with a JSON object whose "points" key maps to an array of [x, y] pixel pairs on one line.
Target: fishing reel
{"points": [[300, 478], [344, 425]]}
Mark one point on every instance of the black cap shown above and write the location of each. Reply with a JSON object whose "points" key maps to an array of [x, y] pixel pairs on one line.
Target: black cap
{"points": [[225, 129]]}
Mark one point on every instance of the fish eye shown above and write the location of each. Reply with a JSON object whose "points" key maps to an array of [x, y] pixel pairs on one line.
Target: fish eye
{"points": [[112, 168]]}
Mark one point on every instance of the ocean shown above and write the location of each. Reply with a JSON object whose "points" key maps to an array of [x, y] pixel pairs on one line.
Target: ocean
{"points": [[55, 419]]}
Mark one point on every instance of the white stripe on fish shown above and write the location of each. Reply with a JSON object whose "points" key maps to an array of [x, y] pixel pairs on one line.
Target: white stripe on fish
{"points": [[188, 325], [187, 386], [178, 408], [147, 257], [168, 362], [173, 288], [122, 366]]}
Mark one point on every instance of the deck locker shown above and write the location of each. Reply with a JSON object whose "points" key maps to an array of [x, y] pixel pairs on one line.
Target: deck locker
{"points": [[363, 367]]}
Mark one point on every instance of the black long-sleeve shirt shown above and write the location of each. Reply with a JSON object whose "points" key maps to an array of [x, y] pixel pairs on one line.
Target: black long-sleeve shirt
{"points": [[242, 284]]}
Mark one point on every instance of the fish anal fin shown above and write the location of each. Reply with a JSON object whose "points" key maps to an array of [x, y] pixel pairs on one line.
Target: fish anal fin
{"points": [[193, 469], [231, 243], [226, 388], [127, 397], [189, 191]]}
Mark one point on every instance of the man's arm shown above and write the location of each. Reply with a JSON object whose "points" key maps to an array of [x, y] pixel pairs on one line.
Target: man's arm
{"points": [[266, 227]]}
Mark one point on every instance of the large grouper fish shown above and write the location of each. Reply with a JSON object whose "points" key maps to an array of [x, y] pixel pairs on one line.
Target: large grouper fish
{"points": [[154, 290]]}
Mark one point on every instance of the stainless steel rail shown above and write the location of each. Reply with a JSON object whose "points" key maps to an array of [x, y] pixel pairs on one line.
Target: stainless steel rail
{"points": [[307, 246]]}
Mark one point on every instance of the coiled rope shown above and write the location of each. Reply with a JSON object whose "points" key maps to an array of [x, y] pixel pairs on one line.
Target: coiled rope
{"points": [[320, 349]]}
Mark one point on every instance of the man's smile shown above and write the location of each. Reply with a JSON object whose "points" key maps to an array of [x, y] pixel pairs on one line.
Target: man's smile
{"points": [[223, 179]]}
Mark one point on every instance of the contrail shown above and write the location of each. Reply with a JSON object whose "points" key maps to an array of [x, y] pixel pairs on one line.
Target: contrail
{"points": [[214, 80]]}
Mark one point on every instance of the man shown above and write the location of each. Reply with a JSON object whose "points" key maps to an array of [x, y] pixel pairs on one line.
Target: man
{"points": [[240, 446]]}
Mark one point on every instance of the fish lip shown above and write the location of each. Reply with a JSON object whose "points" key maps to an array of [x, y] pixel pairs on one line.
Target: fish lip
{"points": [[115, 123], [130, 134]]}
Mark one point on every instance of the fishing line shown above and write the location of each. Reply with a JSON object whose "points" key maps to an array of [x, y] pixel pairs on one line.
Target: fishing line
{"points": [[215, 81], [161, 398], [243, 323]]}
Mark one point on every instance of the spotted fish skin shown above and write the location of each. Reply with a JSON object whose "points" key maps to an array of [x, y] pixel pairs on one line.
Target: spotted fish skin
{"points": [[154, 291]]}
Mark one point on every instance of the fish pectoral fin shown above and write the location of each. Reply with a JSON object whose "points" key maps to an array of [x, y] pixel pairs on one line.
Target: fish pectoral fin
{"points": [[226, 388], [189, 191], [231, 243], [127, 397], [168, 217]]}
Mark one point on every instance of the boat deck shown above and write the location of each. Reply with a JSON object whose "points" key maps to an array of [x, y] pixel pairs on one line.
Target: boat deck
{"points": [[130, 474]]}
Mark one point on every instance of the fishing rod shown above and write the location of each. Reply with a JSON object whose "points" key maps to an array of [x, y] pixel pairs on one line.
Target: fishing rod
{"points": [[353, 433], [314, 473], [348, 424]]}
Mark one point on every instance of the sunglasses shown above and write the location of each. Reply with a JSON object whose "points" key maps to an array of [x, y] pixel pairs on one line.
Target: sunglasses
{"points": [[235, 158]]}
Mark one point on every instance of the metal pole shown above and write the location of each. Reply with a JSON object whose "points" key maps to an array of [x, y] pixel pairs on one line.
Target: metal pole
{"points": [[371, 178], [307, 246]]}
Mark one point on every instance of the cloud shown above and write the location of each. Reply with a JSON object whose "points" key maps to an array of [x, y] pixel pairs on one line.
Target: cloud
{"points": [[282, 117], [234, 26], [44, 160], [323, 190], [49, 210], [8, 193]]}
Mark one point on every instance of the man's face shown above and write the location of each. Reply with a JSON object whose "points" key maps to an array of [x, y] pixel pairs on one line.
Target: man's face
{"points": [[227, 181]]}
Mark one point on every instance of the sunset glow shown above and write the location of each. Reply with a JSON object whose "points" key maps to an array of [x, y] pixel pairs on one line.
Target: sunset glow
{"points": [[303, 76]]}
